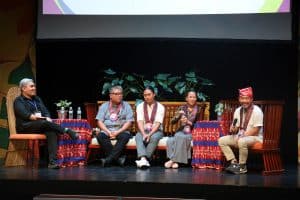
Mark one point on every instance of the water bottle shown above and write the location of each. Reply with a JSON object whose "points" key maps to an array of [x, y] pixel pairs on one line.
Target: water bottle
{"points": [[78, 113], [62, 113], [70, 113]]}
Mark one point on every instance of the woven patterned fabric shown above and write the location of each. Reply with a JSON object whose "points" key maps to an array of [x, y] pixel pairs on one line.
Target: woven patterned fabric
{"points": [[206, 151], [73, 152]]}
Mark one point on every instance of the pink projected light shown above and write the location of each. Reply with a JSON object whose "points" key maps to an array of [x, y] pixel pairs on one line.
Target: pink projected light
{"points": [[285, 6], [50, 7], [163, 7]]}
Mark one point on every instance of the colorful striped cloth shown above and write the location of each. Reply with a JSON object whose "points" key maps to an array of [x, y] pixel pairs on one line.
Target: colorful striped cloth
{"points": [[73, 153], [206, 151]]}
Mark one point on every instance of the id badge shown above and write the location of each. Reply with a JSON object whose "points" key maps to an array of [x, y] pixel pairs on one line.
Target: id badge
{"points": [[148, 127], [113, 117], [38, 114]]}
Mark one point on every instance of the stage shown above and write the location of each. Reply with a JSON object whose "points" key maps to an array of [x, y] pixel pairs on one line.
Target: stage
{"points": [[185, 182]]}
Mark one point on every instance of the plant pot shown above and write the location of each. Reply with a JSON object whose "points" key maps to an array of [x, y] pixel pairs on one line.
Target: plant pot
{"points": [[62, 114]]}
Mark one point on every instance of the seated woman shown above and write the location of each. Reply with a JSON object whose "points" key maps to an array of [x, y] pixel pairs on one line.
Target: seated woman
{"points": [[150, 115], [179, 146]]}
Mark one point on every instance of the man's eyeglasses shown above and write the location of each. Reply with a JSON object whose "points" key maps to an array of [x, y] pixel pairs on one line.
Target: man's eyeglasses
{"points": [[117, 93]]}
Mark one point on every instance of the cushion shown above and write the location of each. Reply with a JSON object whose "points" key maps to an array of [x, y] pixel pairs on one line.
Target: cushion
{"points": [[27, 136], [257, 145], [131, 143]]}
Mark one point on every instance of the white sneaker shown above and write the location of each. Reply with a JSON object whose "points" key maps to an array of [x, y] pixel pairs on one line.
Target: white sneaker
{"points": [[144, 164], [147, 163], [138, 163]]}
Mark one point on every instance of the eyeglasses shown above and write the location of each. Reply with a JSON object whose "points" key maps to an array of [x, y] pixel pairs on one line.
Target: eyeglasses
{"points": [[117, 93]]}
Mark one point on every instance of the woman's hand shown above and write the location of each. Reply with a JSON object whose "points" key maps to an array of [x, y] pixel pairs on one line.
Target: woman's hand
{"points": [[183, 119]]}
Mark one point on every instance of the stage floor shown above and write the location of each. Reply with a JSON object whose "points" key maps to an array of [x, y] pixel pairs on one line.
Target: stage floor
{"points": [[185, 182]]}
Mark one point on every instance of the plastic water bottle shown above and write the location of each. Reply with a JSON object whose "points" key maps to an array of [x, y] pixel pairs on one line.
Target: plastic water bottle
{"points": [[62, 113], [70, 113], [78, 113]]}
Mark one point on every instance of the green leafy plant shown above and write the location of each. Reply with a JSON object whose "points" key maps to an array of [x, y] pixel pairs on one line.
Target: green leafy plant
{"points": [[131, 83], [219, 108], [191, 81], [63, 103], [165, 85]]}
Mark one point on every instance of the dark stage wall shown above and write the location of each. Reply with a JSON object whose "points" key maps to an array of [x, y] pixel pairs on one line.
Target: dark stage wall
{"points": [[72, 69]]}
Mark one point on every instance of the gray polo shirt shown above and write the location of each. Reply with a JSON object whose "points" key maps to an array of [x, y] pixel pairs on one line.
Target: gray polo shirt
{"points": [[125, 115]]}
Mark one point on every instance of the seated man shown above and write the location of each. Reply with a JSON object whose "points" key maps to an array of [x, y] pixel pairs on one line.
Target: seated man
{"points": [[114, 119], [33, 116], [246, 129]]}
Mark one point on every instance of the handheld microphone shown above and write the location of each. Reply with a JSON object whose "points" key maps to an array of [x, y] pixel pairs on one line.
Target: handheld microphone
{"points": [[233, 125], [234, 122]]}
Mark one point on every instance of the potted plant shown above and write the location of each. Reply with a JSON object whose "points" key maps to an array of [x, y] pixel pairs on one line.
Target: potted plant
{"points": [[219, 109], [62, 105]]}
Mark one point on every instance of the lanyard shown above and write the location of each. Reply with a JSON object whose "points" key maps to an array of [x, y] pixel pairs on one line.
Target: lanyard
{"points": [[33, 103], [153, 113], [112, 110], [245, 117]]}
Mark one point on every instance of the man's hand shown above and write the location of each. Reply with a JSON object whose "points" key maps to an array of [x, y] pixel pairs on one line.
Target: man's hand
{"points": [[233, 129], [48, 119], [240, 134], [35, 117], [113, 135]]}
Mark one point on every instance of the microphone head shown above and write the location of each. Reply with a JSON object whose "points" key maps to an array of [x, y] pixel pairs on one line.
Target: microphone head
{"points": [[234, 122]]}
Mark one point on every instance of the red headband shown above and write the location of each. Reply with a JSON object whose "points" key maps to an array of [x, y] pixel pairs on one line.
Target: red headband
{"points": [[246, 92]]}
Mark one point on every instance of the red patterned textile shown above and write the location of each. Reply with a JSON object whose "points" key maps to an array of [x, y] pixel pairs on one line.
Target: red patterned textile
{"points": [[73, 153], [246, 92], [206, 151]]}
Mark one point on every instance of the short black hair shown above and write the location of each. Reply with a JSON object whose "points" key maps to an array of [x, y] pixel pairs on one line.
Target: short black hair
{"points": [[190, 90], [149, 88]]}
